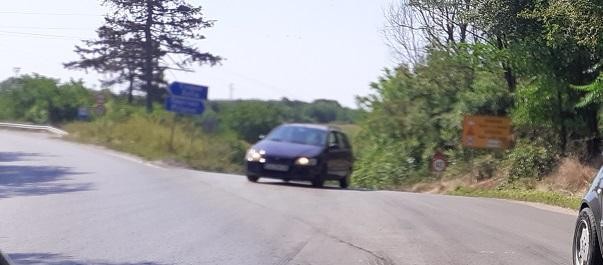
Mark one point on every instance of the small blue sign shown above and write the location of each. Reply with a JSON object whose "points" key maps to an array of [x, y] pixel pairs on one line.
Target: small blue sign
{"points": [[189, 91], [184, 106], [83, 113]]}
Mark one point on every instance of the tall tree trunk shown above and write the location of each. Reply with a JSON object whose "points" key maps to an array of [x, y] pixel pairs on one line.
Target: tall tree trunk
{"points": [[148, 51], [561, 121], [131, 89], [509, 75], [594, 142], [463, 37]]}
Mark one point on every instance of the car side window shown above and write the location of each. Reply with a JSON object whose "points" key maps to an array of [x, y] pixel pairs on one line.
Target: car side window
{"points": [[343, 141], [333, 139]]}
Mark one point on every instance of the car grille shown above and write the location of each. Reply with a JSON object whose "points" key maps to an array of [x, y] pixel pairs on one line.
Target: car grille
{"points": [[279, 160]]}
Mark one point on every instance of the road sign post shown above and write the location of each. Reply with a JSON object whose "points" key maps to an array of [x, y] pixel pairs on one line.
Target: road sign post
{"points": [[487, 132], [100, 104], [439, 162], [185, 99]]}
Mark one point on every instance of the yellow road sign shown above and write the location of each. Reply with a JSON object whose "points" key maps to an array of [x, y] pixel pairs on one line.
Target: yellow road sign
{"points": [[487, 132]]}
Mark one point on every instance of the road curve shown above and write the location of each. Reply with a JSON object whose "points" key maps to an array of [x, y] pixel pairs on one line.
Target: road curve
{"points": [[64, 203]]}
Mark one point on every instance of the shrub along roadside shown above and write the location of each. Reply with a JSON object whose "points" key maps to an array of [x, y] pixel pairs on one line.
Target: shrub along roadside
{"points": [[148, 136], [547, 197]]}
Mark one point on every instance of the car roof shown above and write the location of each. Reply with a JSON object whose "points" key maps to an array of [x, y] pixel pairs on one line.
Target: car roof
{"points": [[314, 126]]}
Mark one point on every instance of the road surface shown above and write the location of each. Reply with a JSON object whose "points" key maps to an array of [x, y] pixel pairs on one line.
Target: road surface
{"points": [[64, 203]]}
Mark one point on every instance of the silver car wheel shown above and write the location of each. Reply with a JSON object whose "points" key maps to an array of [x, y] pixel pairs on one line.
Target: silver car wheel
{"points": [[583, 245]]}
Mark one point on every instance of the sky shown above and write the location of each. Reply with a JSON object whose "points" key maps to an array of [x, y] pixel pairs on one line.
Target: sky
{"points": [[299, 49]]}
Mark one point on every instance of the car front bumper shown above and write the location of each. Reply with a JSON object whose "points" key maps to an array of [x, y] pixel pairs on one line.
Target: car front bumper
{"points": [[295, 172]]}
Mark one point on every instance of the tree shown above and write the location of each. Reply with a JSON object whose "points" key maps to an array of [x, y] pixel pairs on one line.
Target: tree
{"points": [[323, 111], [250, 119], [414, 26], [39, 99], [141, 39], [413, 112], [112, 55]]}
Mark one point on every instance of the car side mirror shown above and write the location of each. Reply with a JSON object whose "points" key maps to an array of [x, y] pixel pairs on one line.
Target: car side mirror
{"points": [[261, 137]]}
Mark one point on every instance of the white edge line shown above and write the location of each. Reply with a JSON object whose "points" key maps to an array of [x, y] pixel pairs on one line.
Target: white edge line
{"points": [[131, 158], [49, 129]]}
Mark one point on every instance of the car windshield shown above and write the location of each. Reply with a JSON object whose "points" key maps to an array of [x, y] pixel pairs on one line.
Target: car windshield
{"points": [[298, 135]]}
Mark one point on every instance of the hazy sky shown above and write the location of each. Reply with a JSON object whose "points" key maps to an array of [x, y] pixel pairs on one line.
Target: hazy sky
{"points": [[273, 48]]}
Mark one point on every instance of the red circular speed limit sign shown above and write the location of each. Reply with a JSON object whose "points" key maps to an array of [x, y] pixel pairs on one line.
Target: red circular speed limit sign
{"points": [[439, 162]]}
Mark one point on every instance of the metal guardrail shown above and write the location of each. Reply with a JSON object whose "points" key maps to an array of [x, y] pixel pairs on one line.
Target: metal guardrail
{"points": [[49, 129]]}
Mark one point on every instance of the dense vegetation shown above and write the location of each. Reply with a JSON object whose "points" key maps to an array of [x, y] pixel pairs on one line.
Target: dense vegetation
{"points": [[39, 99], [538, 62], [216, 140]]}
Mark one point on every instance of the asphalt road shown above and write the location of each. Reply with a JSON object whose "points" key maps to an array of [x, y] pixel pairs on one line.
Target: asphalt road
{"points": [[63, 203]]}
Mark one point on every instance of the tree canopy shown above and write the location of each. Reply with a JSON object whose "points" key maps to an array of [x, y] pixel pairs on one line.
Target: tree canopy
{"points": [[538, 62], [141, 39]]}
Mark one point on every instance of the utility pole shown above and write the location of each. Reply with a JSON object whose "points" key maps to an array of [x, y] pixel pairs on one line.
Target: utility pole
{"points": [[231, 89], [17, 71], [148, 55]]}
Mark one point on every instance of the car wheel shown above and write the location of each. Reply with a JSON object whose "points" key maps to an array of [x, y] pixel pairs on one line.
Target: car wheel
{"points": [[318, 183], [586, 246], [319, 180], [253, 178], [344, 183]]}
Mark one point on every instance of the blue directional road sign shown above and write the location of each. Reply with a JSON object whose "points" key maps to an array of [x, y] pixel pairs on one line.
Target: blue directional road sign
{"points": [[188, 91], [184, 106], [186, 98]]}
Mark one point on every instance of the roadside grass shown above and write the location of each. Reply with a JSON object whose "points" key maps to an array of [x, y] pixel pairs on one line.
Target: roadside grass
{"points": [[546, 197], [149, 137]]}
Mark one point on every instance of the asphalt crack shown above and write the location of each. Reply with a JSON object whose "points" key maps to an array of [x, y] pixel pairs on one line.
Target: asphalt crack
{"points": [[287, 259], [381, 260]]}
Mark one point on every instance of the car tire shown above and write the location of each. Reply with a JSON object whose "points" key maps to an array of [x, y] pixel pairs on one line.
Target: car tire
{"points": [[344, 183], [585, 250], [253, 178], [319, 182]]}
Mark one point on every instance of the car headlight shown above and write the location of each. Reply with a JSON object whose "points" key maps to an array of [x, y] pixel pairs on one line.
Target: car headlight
{"points": [[304, 161], [255, 155]]}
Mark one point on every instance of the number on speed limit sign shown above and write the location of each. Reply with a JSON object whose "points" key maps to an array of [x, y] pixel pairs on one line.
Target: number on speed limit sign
{"points": [[438, 162]]}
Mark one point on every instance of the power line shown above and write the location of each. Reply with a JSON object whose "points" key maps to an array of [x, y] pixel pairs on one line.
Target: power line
{"points": [[262, 83], [29, 34], [47, 14], [44, 28]]}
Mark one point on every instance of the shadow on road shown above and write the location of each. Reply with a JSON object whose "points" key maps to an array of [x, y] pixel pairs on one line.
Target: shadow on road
{"points": [[16, 156], [57, 259], [307, 185], [26, 180]]}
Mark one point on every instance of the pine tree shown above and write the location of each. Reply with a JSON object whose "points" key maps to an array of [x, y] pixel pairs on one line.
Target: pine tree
{"points": [[141, 39]]}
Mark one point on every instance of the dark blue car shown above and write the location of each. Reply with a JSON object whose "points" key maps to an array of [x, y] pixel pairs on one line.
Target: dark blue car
{"points": [[588, 242], [307, 152]]}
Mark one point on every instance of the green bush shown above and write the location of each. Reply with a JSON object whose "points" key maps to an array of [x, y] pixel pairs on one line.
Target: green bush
{"points": [[39, 99], [485, 166], [528, 160], [387, 166], [251, 119], [149, 136]]}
